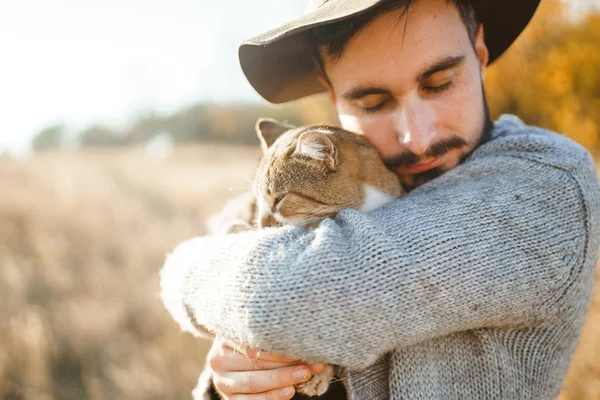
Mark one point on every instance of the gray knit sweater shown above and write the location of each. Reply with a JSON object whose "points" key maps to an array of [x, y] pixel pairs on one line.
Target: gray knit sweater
{"points": [[473, 286]]}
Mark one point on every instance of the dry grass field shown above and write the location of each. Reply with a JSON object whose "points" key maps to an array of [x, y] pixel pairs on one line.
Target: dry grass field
{"points": [[82, 237]]}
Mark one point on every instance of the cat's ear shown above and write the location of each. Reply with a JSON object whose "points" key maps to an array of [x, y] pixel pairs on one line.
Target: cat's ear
{"points": [[268, 130], [318, 146]]}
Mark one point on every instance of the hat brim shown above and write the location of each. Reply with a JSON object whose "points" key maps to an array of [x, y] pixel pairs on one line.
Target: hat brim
{"points": [[279, 63]]}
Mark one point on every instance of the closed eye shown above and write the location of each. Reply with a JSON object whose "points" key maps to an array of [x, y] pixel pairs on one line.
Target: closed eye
{"points": [[276, 202], [438, 89], [310, 198], [374, 109]]}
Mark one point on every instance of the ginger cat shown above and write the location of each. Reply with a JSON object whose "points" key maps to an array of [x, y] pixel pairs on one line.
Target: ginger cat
{"points": [[308, 174]]}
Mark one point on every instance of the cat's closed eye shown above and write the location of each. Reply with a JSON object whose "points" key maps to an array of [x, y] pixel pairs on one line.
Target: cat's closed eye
{"points": [[276, 202]]}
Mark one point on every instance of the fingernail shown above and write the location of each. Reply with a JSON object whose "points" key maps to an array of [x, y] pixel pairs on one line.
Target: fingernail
{"points": [[287, 393], [300, 375], [317, 368]]}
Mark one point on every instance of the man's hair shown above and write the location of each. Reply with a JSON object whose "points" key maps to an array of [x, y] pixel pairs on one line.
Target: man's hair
{"points": [[333, 38]]}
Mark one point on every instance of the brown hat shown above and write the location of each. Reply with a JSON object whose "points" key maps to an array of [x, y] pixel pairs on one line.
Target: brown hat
{"points": [[279, 64]]}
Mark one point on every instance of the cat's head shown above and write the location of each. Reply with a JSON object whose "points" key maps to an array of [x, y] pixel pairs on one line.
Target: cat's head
{"points": [[313, 172]]}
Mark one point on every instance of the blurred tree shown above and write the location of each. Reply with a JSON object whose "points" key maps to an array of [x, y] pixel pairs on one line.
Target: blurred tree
{"points": [[145, 128], [316, 110], [191, 124], [99, 136], [51, 137]]}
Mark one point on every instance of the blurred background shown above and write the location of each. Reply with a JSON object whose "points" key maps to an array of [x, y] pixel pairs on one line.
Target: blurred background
{"points": [[124, 124]]}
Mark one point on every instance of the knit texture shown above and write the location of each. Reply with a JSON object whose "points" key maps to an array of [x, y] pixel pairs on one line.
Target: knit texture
{"points": [[473, 286]]}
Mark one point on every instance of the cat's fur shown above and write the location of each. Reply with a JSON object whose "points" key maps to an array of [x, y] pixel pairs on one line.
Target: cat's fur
{"points": [[306, 175]]}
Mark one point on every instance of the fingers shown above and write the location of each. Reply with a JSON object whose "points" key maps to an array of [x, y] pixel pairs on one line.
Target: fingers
{"points": [[223, 358], [242, 373], [316, 368], [277, 394], [256, 354], [256, 382]]}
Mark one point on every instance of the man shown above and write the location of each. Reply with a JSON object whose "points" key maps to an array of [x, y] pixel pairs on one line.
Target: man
{"points": [[474, 285]]}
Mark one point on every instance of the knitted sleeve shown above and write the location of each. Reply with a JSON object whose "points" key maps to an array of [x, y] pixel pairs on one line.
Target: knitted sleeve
{"points": [[495, 242]]}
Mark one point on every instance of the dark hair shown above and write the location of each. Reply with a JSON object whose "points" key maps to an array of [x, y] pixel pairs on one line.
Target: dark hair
{"points": [[333, 38]]}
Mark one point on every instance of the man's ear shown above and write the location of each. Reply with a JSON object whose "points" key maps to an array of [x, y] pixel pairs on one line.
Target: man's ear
{"points": [[481, 50], [268, 130], [325, 82]]}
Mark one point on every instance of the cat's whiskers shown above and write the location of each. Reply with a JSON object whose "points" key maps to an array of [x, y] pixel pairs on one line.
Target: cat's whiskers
{"points": [[250, 182]]}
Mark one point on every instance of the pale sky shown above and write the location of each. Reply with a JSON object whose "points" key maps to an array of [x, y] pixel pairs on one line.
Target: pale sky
{"points": [[84, 61]]}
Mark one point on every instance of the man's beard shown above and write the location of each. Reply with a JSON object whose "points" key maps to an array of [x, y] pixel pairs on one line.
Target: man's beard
{"points": [[438, 149]]}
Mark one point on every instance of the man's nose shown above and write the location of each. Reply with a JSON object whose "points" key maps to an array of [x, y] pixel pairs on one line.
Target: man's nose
{"points": [[415, 125]]}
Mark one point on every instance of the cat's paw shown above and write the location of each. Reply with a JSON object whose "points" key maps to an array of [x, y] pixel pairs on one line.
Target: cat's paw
{"points": [[318, 384]]}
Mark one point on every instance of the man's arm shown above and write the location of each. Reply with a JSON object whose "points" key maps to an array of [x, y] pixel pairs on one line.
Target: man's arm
{"points": [[497, 241]]}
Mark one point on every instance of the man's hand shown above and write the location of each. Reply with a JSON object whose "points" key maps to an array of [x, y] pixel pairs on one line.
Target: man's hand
{"points": [[244, 374]]}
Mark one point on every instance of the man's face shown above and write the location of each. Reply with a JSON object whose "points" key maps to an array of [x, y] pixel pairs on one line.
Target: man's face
{"points": [[413, 88]]}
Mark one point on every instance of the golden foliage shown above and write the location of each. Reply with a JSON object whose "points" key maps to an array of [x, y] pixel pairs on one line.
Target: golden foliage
{"points": [[550, 77]]}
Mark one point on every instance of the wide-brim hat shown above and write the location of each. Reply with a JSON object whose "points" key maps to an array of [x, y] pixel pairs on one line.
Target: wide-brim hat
{"points": [[280, 65]]}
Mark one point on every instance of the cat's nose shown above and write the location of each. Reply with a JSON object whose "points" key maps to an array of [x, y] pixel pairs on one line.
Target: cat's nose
{"points": [[267, 220]]}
